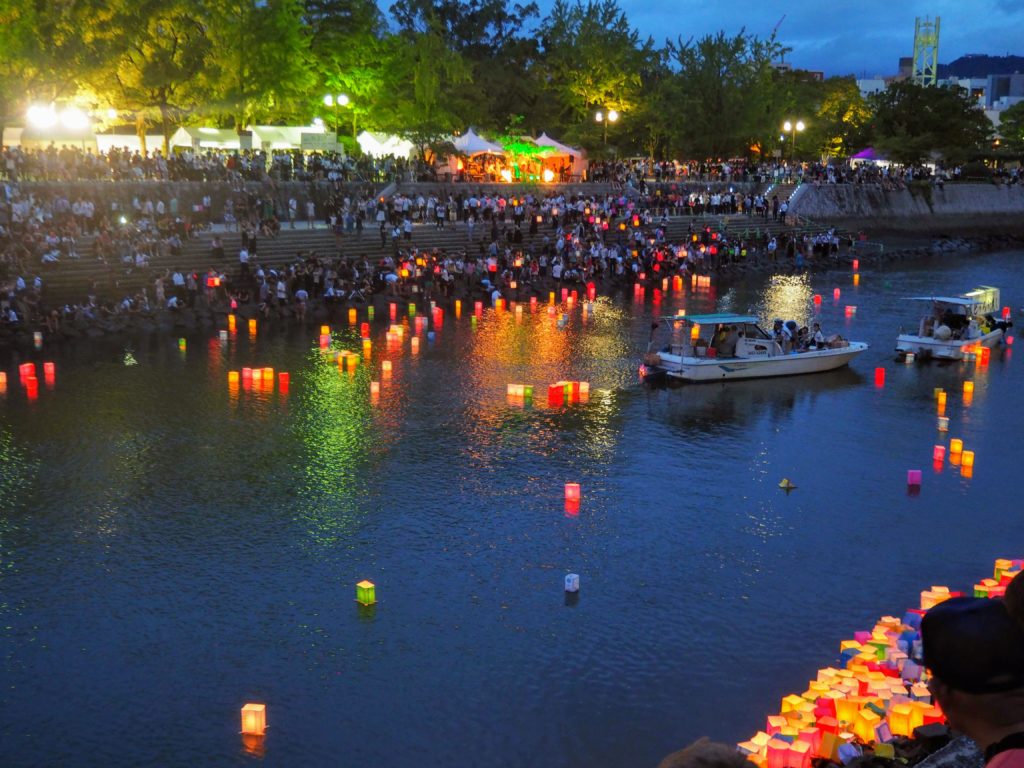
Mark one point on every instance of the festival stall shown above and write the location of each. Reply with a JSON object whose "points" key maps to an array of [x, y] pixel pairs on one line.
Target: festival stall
{"points": [[383, 145]]}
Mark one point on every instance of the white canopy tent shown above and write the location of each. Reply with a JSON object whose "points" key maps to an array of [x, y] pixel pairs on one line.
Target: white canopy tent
{"points": [[205, 138], [282, 136], [470, 143], [381, 145]]}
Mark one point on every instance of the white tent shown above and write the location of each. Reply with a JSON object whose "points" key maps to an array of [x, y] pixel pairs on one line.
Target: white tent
{"points": [[107, 141], [471, 144], [283, 136], [381, 145], [546, 141], [205, 138]]}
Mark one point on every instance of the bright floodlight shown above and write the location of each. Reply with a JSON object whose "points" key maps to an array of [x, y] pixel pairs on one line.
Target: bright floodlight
{"points": [[548, 175], [599, 116], [111, 114], [342, 100], [612, 115], [40, 116], [787, 126], [318, 122], [328, 100], [800, 125], [74, 119]]}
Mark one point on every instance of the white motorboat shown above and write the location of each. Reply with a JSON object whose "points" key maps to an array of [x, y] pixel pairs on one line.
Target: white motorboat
{"points": [[723, 346], [955, 326]]}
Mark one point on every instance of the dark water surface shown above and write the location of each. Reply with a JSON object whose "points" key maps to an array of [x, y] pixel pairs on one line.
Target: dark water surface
{"points": [[169, 551]]}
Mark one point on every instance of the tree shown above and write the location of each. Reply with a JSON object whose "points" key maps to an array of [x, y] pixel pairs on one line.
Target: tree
{"points": [[593, 61], [914, 123], [728, 93], [346, 47], [149, 57], [425, 82], [262, 62], [842, 117], [1011, 128]]}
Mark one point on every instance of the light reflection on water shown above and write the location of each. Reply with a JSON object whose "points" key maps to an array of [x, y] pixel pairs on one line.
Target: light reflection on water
{"points": [[166, 538]]}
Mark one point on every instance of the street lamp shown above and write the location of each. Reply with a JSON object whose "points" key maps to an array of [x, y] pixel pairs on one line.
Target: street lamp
{"points": [[792, 128], [341, 100], [611, 117]]}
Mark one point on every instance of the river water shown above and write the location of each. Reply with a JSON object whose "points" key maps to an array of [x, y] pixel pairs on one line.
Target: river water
{"points": [[170, 549]]}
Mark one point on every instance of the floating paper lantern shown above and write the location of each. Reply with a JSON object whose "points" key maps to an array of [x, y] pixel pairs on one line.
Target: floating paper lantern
{"points": [[967, 459], [366, 592], [1006, 313], [415, 345], [572, 491], [232, 377], [914, 477], [325, 341], [412, 309], [223, 337], [26, 369], [836, 294], [967, 472], [909, 358], [856, 279], [231, 323], [369, 313], [968, 387], [879, 377], [943, 423], [268, 374], [247, 373], [37, 339], [572, 582], [385, 366], [939, 453], [252, 327], [393, 309], [49, 369], [856, 264], [3, 378], [325, 330], [374, 387], [182, 344], [956, 445], [284, 379], [986, 353], [941, 400], [851, 310], [817, 299], [352, 316], [556, 395], [551, 297], [254, 719]]}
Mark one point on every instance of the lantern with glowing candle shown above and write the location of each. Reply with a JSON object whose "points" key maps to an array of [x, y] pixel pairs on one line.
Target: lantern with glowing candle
{"points": [[967, 459], [37, 339], [247, 374], [879, 377], [415, 345], [817, 299], [943, 424], [836, 294], [284, 380], [986, 354], [231, 323], [182, 344], [856, 279], [325, 341], [385, 367], [914, 477], [856, 264], [325, 330], [968, 387], [254, 719], [232, 377], [572, 491], [353, 315], [374, 387], [252, 326], [941, 401], [851, 310], [366, 592], [939, 453], [412, 309], [49, 369], [223, 337]]}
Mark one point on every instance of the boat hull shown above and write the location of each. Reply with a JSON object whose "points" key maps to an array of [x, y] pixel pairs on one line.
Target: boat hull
{"points": [[952, 349], [697, 370]]}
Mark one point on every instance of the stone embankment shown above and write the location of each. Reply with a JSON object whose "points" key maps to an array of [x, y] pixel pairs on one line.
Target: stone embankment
{"points": [[961, 208]]}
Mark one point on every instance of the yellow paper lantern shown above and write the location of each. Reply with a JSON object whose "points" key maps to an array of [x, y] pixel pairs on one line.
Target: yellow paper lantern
{"points": [[254, 719]]}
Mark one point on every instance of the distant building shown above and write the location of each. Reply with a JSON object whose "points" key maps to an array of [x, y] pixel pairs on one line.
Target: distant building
{"points": [[1002, 91], [871, 85]]}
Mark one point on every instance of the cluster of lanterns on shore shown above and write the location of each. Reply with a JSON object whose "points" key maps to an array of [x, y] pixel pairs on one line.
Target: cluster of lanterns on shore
{"points": [[876, 693]]}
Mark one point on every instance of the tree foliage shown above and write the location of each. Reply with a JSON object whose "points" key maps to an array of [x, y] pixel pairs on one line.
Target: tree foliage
{"points": [[432, 67], [914, 124], [1011, 128]]}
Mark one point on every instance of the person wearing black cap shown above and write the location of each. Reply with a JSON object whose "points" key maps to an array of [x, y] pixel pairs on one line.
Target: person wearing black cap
{"points": [[974, 648]]}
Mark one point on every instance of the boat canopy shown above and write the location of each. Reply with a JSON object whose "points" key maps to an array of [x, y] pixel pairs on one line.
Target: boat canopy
{"points": [[981, 300], [714, 319], [955, 301]]}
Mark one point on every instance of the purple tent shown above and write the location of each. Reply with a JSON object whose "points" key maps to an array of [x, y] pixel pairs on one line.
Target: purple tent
{"points": [[868, 154]]}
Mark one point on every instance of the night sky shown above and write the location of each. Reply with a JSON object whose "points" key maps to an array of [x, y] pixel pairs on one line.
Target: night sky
{"points": [[860, 37]]}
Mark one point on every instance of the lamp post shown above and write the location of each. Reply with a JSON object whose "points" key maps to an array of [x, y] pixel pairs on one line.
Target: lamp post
{"points": [[341, 100], [792, 128], [611, 117]]}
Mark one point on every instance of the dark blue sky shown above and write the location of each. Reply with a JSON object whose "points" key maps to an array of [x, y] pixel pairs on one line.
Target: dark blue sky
{"points": [[859, 37]]}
